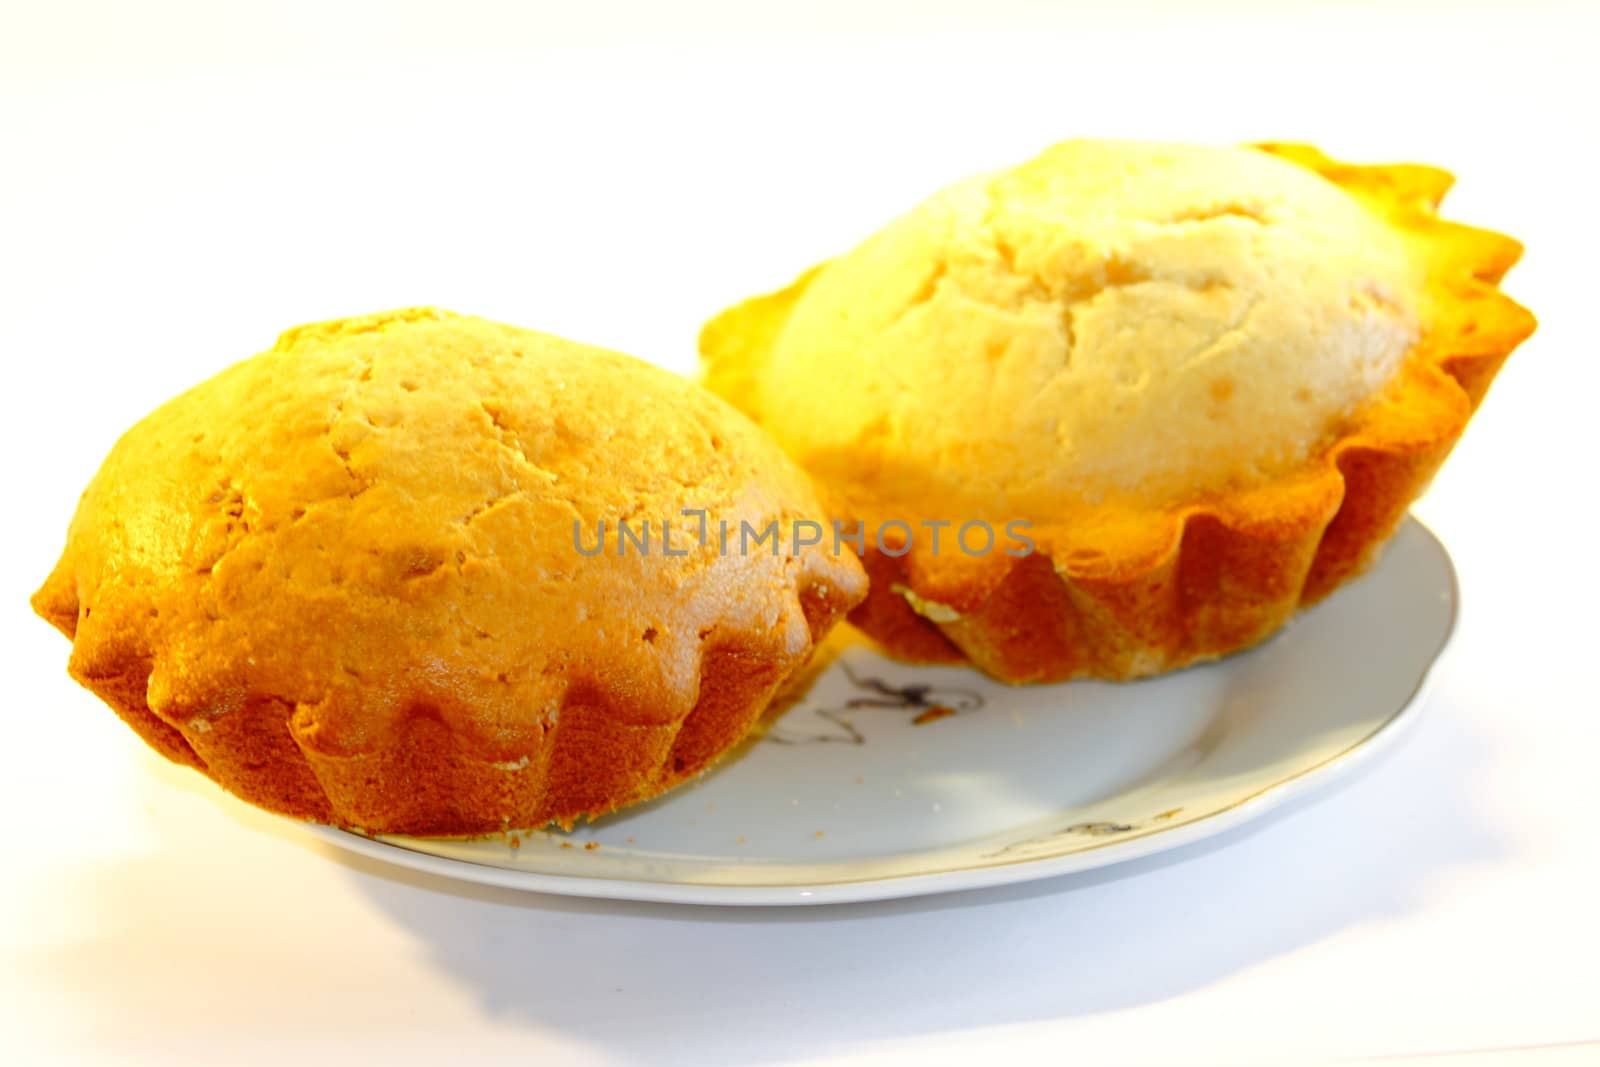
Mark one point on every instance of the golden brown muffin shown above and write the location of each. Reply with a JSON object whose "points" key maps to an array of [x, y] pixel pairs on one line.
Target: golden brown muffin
{"points": [[1208, 382], [342, 578]]}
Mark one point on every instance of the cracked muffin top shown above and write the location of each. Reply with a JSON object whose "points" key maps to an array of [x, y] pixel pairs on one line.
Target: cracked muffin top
{"points": [[1210, 381], [361, 544], [1111, 321]]}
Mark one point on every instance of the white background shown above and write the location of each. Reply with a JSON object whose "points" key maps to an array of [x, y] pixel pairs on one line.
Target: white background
{"points": [[181, 181]]}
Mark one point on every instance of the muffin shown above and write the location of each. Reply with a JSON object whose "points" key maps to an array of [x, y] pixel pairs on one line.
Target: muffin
{"points": [[1184, 389], [362, 578]]}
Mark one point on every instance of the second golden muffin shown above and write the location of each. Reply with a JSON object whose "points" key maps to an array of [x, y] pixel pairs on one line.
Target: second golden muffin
{"points": [[1206, 382], [357, 578]]}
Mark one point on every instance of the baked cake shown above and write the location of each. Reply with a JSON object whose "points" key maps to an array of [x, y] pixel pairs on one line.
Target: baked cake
{"points": [[1204, 382], [360, 578]]}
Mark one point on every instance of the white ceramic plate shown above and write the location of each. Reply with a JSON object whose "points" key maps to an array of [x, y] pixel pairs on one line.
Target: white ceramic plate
{"points": [[890, 780]]}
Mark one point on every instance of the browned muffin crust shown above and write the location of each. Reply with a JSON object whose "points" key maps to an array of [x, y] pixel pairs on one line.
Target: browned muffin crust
{"points": [[340, 578]]}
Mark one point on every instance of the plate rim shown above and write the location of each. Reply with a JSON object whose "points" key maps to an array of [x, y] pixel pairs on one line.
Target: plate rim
{"points": [[1124, 848]]}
